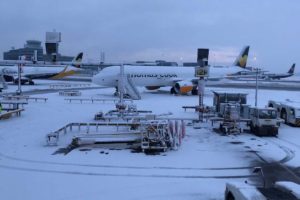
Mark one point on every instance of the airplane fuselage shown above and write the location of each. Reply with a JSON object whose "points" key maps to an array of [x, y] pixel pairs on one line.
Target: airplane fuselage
{"points": [[156, 75], [35, 72], [276, 76]]}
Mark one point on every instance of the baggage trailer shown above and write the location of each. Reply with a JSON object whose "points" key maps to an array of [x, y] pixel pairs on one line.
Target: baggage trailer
{"points": [[288, 110]]}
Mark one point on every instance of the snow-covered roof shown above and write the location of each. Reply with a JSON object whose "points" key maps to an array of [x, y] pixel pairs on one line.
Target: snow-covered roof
{"points": [[289, 186], [228, 92], [241, 190], [291, 103]]}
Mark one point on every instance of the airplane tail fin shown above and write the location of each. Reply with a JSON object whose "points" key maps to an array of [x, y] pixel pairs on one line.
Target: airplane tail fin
{"points": [[241, 60], [292, 69], [76, 62]]}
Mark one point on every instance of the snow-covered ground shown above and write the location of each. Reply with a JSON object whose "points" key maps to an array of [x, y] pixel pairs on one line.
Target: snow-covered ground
{"points": [[199, 169]]}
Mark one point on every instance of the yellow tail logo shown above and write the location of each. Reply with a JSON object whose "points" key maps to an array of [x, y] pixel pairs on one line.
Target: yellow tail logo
{"points": [[243, 61]]}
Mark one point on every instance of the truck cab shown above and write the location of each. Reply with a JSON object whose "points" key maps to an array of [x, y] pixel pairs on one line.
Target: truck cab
{"points": [[263, 121]]}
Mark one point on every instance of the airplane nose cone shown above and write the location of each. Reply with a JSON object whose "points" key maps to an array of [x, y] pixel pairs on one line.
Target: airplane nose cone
{"points": [[98, 79], [95, 79]]}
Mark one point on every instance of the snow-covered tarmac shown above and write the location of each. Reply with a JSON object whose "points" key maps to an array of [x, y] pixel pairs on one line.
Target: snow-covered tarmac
{"points": [[199, 169]]}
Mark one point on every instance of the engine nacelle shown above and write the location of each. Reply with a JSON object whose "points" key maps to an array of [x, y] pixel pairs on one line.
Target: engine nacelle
{"points": [[8, 78], [152, 87], [183, 87]]}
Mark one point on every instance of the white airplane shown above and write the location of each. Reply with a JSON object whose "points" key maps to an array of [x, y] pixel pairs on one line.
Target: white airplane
{"points": [[262, 74], [273, 76], [28, 73], [181, 79]]}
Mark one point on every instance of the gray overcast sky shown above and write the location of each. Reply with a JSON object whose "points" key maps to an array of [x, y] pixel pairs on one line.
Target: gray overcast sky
{"points": [[129, 30]]}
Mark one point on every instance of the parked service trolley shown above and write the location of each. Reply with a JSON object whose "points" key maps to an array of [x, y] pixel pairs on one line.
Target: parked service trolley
{"points": [[226, 97], [162, 134], [288, 110]]}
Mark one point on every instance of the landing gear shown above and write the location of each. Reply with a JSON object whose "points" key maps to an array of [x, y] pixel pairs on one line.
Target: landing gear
{"points": [[23, 82], [194, 91], [16, 82], [116, 92], [173, 91]]}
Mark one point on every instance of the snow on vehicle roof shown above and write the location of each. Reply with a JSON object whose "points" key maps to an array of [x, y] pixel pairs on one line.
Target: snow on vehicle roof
{"points": [[289, 186], [219, 92], [291, 103], [263, 108], [242, 190]]}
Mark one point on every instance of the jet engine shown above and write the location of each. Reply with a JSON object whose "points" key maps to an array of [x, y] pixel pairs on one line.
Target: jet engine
{"points": [[182, 87]]}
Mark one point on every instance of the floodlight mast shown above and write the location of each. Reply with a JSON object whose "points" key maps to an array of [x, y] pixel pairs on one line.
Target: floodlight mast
{"points": [[20, 63], [121, 84], [121, 106], [201, 71], [256, 86]]}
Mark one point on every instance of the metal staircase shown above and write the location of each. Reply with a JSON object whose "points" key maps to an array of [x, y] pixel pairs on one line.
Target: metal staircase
{"points": [[130, 89]]}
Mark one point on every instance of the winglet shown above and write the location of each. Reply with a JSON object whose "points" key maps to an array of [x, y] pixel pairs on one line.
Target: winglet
{"points": [[241, 60], [76, 62], [292, 69]]}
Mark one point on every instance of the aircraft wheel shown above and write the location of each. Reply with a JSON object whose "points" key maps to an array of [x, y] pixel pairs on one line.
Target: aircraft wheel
{"points": [[173, 91], [194, 92]]}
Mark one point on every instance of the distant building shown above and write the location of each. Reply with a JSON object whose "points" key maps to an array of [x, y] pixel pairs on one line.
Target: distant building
{"points": [[51, 45], [27, 51], [154, 63], [59, 58], [190, 64], [52, 51]]}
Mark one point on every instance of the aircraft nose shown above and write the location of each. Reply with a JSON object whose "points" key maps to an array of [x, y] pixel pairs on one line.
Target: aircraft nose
{"points": [[97, 79]]}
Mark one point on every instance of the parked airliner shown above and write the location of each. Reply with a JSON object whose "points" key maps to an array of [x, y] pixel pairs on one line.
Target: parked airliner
{"points": [[262, 74], [28, 73], [181, 79], [273, 76]]}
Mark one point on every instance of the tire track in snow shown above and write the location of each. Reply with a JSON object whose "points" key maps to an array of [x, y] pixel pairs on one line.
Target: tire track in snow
{"points": [[120, 166], [290, 154], [124, 175]]}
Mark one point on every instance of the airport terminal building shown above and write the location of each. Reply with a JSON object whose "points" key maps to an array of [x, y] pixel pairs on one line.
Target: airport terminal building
{"points": [[31, 46], [27, 51]]}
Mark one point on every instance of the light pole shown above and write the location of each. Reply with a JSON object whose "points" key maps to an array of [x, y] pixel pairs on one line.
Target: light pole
{"points": [[201, 72], [19, 90], [256, 82], [256, 86]]}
